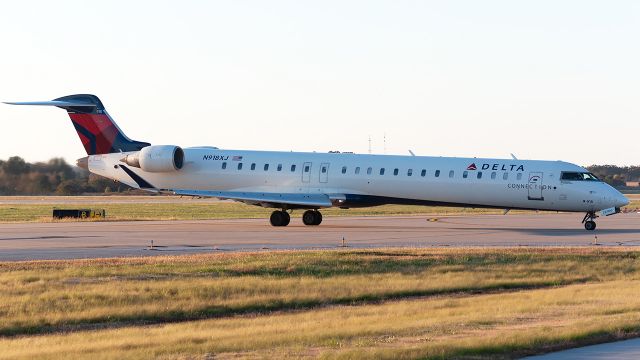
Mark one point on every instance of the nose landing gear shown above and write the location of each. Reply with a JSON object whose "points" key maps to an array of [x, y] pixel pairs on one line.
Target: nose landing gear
{"points": [[588, 222]]}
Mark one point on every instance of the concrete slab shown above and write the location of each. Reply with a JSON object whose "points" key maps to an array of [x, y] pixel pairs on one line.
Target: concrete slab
{"points": [[621, 350]]}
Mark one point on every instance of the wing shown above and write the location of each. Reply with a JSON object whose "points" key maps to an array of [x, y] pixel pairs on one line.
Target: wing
{"points": [[263, 199]]}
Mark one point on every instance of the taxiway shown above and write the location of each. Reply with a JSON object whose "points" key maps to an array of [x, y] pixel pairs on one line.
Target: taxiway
{"points": [[68, 240]]}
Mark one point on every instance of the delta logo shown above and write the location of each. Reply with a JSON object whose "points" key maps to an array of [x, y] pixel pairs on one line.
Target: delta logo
{"points": [[495, 167]]}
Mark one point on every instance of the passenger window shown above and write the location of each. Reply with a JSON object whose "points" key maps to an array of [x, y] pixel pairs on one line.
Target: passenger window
{"points": [[423, 173], [369, 171], [465, 174], [493, 175], [409, 172], [395, 172], [381, 171], [451, 173], [253, 166], [279, 167], [357, 170], [293, 168], [505, 176], [239, 166], [519, 177], [437, 174], [344, 169], [224, 165], [266, 167], [479, 174], [306, 168]]}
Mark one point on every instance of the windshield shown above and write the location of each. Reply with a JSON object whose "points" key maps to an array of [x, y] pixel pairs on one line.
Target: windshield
{"points": [[578, 176]]}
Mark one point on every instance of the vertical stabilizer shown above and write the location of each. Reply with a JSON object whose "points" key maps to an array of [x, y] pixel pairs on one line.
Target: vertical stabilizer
{"points": [[97, 130]]}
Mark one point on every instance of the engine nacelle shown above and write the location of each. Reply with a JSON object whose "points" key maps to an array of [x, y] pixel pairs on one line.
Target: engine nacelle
{"points": [[157, 158]]}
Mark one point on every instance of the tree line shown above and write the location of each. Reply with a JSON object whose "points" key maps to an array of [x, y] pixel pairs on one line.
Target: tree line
{"points": [[57, 177], [54, 177], [616, 175]]}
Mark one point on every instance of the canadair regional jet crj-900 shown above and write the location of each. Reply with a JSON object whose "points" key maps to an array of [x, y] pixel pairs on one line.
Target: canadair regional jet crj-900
{"points": [[288, 181]]}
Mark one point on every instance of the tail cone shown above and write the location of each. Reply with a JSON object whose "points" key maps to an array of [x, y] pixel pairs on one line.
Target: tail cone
{"points": [[83, 163]]}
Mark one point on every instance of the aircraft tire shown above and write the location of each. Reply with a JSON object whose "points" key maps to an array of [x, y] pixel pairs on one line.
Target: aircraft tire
{"points": [[318, 215], [590, 225], [310, 217], [279, 218], [287, 218]]}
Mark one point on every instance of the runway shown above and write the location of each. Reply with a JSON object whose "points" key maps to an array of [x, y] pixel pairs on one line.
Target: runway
{"points": [[68, 240]]}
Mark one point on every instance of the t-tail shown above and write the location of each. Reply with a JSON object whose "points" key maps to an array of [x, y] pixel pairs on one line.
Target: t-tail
{"points": [[97, 130]]}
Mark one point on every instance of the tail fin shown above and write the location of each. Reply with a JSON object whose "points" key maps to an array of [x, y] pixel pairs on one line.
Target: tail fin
{"points": [[97, 130]]}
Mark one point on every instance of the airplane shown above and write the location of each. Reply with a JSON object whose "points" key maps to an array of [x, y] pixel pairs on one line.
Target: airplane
{"points": [[310, 181]]}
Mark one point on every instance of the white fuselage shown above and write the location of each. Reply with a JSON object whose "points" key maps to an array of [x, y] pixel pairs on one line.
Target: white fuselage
{"points": [[358, 180]]}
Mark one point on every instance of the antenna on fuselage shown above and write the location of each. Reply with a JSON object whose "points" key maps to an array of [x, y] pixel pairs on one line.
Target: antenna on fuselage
{"points": [[411, 152], [513, 157], [369, 144], [384, 142]]}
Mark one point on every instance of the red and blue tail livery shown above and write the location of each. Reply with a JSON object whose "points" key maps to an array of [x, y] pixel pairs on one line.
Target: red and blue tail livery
{"points": [[97, 130]]}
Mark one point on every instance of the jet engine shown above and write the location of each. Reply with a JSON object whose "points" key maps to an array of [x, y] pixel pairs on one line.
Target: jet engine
{"points": [[157, 158]]}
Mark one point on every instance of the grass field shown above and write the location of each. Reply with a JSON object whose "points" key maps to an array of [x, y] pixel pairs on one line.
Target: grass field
{"points": [[153, 208], [423, 303], [193, 210]]}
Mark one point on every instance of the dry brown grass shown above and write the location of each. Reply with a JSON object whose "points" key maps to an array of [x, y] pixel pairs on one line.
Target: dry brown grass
{"points": [[352, 303], [505, 325]]}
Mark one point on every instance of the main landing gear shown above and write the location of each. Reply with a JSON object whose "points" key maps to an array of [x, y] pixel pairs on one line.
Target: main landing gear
{"points": [[312, 217], [588, 222], [282, 218]]}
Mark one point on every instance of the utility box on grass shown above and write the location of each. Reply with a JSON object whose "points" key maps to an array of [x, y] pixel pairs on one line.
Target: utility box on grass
{"points": [[79, 213]]}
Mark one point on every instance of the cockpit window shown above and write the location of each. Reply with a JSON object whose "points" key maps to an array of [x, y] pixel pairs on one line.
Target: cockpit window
{"points": [[578, 176]]}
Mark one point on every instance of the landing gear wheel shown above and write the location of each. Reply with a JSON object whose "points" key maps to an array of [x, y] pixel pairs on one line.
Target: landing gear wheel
{"points": [[590, 225], [279, 218], [588, 222], [311, 217], [287, 218]]}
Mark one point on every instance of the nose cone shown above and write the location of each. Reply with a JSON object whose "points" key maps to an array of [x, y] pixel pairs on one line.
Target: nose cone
{"points": [[621, 200]]}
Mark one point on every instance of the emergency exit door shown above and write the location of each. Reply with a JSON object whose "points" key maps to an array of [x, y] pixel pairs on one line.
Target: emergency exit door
{"points": [[306, 172], [324, 172]]}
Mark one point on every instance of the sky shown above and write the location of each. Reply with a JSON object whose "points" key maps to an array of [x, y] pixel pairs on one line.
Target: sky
{"points": [[553, 80]]}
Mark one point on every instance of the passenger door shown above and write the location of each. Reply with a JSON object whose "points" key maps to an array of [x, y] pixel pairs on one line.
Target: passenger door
{"points": [[535, 186], [324, 172]]}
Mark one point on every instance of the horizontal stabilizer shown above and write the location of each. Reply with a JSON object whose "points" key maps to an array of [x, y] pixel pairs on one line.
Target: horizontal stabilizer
{"points": [[61, 104], [309, 200]]}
